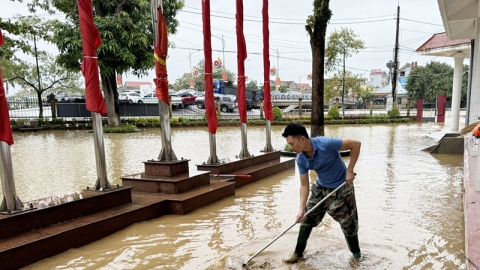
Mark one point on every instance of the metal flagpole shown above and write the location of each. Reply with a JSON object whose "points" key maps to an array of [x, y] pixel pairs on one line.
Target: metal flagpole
{"points": [[99, 142], [10, 202], [166, 153]]}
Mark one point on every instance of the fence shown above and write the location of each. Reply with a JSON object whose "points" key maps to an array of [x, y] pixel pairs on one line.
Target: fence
{"points": [[31, 110]]}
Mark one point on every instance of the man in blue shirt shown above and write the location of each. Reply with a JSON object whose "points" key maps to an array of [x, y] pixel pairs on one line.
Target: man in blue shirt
{"points": [[322, 154]]}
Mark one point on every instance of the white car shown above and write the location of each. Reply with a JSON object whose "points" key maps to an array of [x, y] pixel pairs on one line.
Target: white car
{"points": [[129, 97]]}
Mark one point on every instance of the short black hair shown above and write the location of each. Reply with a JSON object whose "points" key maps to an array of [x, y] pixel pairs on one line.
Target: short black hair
{"points": [[295, 129]]}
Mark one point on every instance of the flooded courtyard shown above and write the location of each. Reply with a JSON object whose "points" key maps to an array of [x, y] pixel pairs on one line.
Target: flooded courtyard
{"points": [[409, 202]]}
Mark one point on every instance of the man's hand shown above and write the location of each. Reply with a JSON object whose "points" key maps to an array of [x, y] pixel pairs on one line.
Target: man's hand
{"points": [[350, 177], [301, 216]]}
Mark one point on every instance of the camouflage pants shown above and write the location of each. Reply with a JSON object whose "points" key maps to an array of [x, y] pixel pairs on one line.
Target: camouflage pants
{"points": [[340, 206]]}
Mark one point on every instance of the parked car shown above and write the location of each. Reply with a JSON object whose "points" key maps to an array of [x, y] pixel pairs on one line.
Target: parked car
{"points": [[176, 102], [129, 97], [187, 99], [150, 98], [70, 98], [227, 102]]}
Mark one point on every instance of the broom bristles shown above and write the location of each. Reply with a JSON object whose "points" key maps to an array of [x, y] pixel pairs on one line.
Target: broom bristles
{"points": [[468, 128]]}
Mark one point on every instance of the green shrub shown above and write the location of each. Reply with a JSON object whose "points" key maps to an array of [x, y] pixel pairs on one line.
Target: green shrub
{"points": [[394, 113], [287, 148], [334, 113], [120, 129], [277, 114]]}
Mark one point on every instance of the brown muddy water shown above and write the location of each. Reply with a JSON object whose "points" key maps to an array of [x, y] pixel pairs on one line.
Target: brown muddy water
{"points": [[409, 202]]}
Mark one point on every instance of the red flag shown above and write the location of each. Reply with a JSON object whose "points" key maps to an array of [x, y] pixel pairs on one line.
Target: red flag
{"points": [[267, 107], [207, 49], [90, 42], [160, 55], [241, 56], [6, 134]]}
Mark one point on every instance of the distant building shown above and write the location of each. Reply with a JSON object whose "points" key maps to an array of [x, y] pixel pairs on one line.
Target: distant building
{"points": [[304, 88], [130, 85], [378, 78]]}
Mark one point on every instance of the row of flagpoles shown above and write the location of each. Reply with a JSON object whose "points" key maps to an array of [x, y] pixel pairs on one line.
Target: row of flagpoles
{"points": [[96, 105]]}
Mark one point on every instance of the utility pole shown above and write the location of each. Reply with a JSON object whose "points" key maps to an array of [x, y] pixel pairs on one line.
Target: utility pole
{"points": [[395, 62]]}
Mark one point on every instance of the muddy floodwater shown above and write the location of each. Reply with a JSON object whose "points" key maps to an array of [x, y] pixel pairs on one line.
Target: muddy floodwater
{"points": [[409, 202]]}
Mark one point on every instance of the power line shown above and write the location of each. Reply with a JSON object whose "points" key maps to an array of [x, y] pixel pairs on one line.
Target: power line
{"points": [[296, 19], [421, 22], [281, 22]]}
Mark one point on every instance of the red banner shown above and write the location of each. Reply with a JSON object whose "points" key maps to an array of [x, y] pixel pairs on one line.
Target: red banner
{"points": [[90, 42], [241, 56], [6, 134], [207, 49], [160, 55], [267, 99]]}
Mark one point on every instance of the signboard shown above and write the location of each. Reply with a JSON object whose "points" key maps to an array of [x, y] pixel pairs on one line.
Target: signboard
{"points": [[119, 79], [403, 82]]}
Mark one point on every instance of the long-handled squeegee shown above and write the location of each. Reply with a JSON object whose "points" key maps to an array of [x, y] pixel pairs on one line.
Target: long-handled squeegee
{"points": [[280, 235]]}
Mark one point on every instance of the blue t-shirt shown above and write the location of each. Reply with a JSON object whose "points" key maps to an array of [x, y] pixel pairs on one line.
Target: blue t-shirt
{"points": [[326, 161]]}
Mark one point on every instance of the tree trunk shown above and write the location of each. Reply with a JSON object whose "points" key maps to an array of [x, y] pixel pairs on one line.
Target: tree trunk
{"points": [[40, 104], [322, 15], [109, 87]]}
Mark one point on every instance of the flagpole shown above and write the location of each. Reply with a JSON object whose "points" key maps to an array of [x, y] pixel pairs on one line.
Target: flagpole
{"points": [[10, 203], [267, 105], [160, 52], [241, 56], [211, 113], [166, 154], [99, 142]]}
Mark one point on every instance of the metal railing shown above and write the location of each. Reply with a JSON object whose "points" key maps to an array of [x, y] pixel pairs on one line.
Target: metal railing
{"points": [[30, 110]]}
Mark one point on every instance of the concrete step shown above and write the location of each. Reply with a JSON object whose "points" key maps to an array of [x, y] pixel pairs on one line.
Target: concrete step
{"points": [[37, 218], [259, 171], [229, 165], [142, 182], [26, 248]]}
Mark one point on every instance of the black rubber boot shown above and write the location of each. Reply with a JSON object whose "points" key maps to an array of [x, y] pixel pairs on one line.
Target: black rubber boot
{"points": [[353, 245], [303, 236]]}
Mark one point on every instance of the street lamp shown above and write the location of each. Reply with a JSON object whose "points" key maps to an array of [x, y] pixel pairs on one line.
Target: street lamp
{"points": [[277, 81], [223, 52], [191, 73]]}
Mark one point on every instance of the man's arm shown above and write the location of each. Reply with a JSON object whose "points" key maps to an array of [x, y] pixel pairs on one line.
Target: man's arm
{"points": [[354, 147], [304, 191]]}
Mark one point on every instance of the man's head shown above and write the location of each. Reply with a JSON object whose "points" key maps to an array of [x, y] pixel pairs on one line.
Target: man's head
{"points": [[296, 136]]}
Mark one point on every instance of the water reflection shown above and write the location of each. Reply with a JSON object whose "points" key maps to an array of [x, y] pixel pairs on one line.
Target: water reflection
{"points": [[410, 202]]}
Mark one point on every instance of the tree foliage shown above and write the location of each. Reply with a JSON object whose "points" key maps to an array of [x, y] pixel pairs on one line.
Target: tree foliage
{"points": [[42, 75], [353, 85], [434, 79], [252, 84], [127, 39], [316, 27], [341, 44]]}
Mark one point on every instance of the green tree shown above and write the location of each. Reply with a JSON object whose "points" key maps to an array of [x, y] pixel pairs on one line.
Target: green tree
{"points": [[43, 75], [127, 39], [341, 45], [316, 27], [252, 84], [333, 86], [199, 81], [430, 81]]}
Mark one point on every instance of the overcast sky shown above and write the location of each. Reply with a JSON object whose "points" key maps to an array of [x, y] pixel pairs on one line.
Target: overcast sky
{"points": [[374, 21]]}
